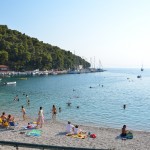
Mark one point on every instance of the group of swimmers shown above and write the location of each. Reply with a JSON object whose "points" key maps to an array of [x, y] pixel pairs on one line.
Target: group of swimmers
{"points": [[16, 98]]}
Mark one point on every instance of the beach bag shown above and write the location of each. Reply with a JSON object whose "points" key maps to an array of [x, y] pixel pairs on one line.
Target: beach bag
{"points": [[129, 135], [93, 135]]}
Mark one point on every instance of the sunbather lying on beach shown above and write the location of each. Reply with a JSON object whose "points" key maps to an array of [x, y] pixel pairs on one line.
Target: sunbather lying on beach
{"points": [[30, 126]]}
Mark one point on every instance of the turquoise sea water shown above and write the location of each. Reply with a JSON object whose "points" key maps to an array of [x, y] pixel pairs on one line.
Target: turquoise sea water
{"points": [[98, 106]]}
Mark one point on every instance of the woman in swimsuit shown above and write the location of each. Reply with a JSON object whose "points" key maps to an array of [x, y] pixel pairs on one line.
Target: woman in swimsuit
{"points": [[40, 120], [23, 113]]}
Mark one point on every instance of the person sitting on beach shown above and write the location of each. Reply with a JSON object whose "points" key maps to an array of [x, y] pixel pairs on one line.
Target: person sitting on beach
{"points": [[5, 123], [10, 118], [69, 127], [77, 130], [29, 125], [3, 116], [124, 131]]}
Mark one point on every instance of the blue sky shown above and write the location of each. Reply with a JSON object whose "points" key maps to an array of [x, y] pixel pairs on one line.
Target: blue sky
{"points": [[116, 32]]}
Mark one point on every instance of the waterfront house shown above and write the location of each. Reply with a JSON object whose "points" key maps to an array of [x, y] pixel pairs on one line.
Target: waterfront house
{"points": [[4, 68]]}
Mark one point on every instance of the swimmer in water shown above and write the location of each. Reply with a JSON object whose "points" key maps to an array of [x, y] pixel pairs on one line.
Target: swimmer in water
{"points": [[124, 106], [69, 103], [59, 109]]}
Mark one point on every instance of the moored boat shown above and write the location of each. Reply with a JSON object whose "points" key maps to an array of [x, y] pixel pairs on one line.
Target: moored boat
{"points": [[23, 78], [139, 76], [11, 83]]}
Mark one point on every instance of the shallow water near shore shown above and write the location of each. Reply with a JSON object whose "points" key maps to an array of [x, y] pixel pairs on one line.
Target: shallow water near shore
{"points": [[98, 106]]}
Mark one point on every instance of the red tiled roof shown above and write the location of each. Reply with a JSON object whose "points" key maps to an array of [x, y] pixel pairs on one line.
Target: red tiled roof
{"points": [[3, 66]]}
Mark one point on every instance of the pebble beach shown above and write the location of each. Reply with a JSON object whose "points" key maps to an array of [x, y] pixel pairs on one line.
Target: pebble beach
{"points": [[53, 133]]}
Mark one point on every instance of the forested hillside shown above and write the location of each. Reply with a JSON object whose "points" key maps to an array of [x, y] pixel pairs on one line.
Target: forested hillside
{"points": [[21, 52]]}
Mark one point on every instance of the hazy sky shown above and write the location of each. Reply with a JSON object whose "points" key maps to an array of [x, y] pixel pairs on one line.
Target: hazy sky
{"points": [[116, 32]]}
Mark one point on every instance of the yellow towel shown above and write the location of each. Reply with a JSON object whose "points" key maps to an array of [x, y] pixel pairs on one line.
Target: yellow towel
{"points": [[80, 136]]}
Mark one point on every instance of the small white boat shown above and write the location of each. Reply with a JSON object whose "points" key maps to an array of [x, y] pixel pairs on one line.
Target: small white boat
{"points": [[11, 83], [54, 73]]}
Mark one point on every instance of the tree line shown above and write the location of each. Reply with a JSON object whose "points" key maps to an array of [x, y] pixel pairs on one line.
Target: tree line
{"points": [[21, 52]]}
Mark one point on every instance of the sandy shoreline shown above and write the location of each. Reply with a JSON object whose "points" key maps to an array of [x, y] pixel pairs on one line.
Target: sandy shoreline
{"points": [[53, 133]]}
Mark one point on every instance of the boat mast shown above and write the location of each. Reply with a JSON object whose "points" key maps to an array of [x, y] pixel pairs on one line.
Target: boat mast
{"points": [[142, 68]]}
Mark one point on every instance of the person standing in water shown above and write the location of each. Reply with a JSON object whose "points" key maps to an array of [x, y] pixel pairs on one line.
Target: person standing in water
{"points": [[40, 119], [16, 98], [124, 106], [23, 113], [54, 112], [28, 102], [59, 109], [27, 98]]}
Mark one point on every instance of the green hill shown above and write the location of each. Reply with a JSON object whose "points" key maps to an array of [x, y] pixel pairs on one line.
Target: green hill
{"points": [[21, 52]]}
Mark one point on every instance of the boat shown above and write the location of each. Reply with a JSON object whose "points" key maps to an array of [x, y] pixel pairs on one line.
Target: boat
{"points": [[74, 71], [139, 76], [142, 69], [10, 83], [54, 73], [23, 78]]}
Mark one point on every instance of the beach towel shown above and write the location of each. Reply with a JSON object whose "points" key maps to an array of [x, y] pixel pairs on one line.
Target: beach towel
{"points": [[34, 132], [33, 122], [128, 136], [80, 136], [25, 128]]}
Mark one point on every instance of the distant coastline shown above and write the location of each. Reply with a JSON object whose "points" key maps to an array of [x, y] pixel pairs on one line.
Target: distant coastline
{"points": [[48, 72]]}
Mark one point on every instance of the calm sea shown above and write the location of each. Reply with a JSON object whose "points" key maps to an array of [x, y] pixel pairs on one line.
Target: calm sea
{"points": [[98, 106]]}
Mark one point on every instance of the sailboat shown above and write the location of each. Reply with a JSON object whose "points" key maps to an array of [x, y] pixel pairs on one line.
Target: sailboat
{"points": [[100, 69], [142, 69]]}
